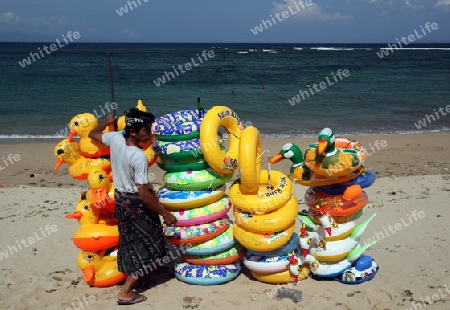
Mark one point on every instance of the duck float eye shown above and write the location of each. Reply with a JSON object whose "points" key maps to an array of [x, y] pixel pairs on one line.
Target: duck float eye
{"points": [[86, 207], [60, 151], [89, 256]]}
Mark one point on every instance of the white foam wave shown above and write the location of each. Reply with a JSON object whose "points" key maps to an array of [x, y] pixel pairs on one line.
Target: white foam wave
{"points": [[25, 136], [416, 48]]}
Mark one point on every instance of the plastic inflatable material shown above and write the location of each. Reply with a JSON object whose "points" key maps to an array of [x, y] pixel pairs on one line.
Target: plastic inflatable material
{"points": [[250, 159], [176, 200], [263, 242], [365, 179], [196, 233], [222, 162], [268, 198], [181, 125], [202, 215], [273, 221], [219, 244], [195, 180], [206, 275]]}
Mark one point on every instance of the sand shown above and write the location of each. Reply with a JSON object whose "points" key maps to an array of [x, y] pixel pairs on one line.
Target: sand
{"points": [[410, 199]]}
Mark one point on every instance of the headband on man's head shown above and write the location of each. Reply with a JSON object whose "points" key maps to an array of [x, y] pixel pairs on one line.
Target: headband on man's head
{"points": [[131, 121]]}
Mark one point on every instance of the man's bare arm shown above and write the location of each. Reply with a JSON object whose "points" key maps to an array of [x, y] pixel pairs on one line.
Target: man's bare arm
{"points": [[97, 132]]}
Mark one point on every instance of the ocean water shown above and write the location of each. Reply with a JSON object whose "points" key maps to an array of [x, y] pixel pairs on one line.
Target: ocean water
{"points": [[376, 95]]}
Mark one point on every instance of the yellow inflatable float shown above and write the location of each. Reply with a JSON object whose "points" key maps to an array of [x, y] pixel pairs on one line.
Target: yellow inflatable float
{"points": [[216, 117], [273, 193], [269, 222]]}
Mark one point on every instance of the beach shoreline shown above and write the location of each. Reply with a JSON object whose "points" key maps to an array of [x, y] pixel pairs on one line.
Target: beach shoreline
{"points": [[388, 155]]}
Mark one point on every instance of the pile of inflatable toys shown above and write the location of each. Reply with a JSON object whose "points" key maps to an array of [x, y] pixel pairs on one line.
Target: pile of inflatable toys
{"points": [[97, 236], [194, 192], [334, 170], [263, 205], [198, 163]]}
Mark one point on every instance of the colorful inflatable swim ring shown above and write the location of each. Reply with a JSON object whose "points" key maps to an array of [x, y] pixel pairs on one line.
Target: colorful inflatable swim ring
{"points": [[250, 159], [181, 125], [221, 161], [273, 221], [195, 233], [364, 269], [263, 242], [176, 200], [95, 237], [219, 244], [348, 204], [355, 156], [202, 215], [206, 275], [177, 167], [195, 180], [228, 256], [266, 199], [365, 179], [266, 264], [290, 246]]}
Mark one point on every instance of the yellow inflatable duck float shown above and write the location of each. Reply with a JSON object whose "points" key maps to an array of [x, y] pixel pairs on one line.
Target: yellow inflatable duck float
{"points": [[80, 125], [79, 166], [100, 270], [94, 234], [333, 156], [101, 192]]}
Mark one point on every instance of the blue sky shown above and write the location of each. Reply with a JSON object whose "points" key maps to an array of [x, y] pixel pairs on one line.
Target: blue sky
{"points": [[323, 21]]}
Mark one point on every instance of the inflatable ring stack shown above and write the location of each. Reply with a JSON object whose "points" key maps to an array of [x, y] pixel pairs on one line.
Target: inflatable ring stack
{"points": [[334, 170], [177, 141], [264, 210], [97, 236], [194, 193]]}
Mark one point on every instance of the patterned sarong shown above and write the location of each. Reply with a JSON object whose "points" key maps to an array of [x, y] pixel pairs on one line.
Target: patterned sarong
{"points": [[141, 238]]}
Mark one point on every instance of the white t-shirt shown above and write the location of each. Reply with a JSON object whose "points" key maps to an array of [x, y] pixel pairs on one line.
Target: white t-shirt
{"points": [[129, 163]]}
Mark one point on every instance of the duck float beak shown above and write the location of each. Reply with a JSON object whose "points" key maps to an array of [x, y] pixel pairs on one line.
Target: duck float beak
{"points": [[72, 133], [75, 215], [58, 164], [322, 146], [89, 274], [276, 158]]}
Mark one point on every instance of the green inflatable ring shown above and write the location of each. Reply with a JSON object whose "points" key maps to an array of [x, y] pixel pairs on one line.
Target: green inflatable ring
{"points": [[187, 155], [199, 165], [195, 180], [171, 138]]}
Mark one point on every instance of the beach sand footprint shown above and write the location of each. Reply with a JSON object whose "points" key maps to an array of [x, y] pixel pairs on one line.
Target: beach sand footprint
{"points": [[191, 302]]}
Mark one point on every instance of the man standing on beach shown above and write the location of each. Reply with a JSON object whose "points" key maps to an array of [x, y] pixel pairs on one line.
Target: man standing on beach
{"points": [[141, 239]]}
